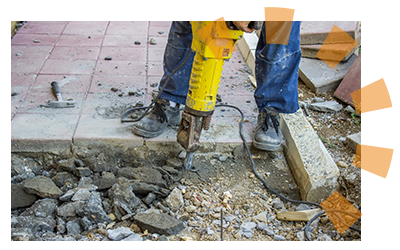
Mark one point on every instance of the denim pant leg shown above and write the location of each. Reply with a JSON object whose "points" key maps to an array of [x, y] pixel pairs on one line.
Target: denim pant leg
{"points": [[178, 45], [277, 72]]}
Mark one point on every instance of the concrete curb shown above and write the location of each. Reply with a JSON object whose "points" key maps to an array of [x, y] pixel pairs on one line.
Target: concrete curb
{"points": [[315, 172]]}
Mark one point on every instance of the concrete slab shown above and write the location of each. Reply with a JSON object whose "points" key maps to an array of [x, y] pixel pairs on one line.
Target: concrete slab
{"points": [[353, 140], [42, 132], [94, 130], [351, 82], [315, 172], [311, 51], [315, 32], [319, 77]]}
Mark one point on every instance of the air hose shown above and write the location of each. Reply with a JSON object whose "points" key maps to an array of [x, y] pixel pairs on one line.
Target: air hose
{"points": [[271, 190]]}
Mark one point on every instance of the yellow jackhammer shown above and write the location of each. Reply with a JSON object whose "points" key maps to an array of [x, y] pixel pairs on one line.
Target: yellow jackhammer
{"points": [[213, 43]]}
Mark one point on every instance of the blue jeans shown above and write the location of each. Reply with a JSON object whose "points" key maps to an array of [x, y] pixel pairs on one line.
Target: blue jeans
{"points": [[276, 69]]}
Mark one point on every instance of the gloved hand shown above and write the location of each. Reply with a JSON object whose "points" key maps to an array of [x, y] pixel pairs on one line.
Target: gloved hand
{"points": [[243, 26]]}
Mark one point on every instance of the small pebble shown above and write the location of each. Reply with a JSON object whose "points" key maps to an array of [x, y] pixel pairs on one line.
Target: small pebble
{"points": [[153, 41]]}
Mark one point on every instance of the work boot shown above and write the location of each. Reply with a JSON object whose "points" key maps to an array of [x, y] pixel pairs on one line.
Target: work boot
{"points": [[268, 135], [158, 118]]}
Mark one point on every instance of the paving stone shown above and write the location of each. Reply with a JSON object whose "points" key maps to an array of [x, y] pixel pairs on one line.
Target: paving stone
{"points": [[350, 83], [319, 77], [315, 32], [314, 170], [53, 131]]}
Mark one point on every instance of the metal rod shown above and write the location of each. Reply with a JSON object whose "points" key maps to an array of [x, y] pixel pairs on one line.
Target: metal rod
{"points": [[188, 160]]}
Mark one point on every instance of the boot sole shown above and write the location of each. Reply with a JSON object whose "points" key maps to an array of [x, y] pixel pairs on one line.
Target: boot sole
{"points": [[267, 147], [148, 134]]}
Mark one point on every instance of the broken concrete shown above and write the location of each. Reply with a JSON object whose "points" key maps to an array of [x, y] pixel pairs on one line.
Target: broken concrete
{"points": [[328, 106], [353, 141], [42, 186], [315, 172], [20, 198], [159, 223], [319, 77]]}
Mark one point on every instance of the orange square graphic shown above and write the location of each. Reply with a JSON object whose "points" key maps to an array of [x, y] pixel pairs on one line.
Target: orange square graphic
{"points": [[336, 47], [341, 213], [375, 160]]}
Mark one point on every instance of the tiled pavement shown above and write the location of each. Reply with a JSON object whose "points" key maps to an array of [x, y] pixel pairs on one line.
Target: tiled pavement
{"points": [[72, 53]]}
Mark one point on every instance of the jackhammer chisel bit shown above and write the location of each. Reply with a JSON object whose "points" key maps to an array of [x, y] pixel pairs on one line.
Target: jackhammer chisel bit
{"points": [[188, 160]]}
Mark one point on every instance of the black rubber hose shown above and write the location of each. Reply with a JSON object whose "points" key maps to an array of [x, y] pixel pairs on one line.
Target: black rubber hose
{"points": [[244, 143], [157, 97]]}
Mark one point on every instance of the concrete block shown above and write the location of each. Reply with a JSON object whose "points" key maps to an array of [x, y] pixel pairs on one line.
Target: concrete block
{"points": [[353, 140], [315, 32], [314, 170], [319, 77]]}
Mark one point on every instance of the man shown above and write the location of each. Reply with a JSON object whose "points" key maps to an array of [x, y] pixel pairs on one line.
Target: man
{"points": [[276, 72]]}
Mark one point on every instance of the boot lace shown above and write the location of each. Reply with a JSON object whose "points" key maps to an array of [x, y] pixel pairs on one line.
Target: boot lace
{"points": [[158, 110], [270, 119]]}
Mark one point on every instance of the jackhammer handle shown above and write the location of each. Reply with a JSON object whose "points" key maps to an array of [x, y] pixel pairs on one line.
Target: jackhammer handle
{"points": [[257, 25], [56, 89]]}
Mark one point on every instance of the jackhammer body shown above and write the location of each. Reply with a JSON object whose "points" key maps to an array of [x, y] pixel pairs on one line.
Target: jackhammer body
{"points": [[213, 43]]}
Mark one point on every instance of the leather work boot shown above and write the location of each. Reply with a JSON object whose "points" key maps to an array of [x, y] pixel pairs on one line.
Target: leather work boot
{"points": [[268, 135], [158, 118]]}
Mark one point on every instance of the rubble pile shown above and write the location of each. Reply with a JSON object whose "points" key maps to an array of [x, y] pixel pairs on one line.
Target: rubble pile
{"points": [[73, 200]]}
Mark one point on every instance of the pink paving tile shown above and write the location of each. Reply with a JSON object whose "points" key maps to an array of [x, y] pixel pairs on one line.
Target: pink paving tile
{"points": [[125, 41], [155, 68], [160, 23], [86, 27], [120, 68], [109, 105], [67, 83], [29, 52], [96, 130], [29, 39], [235, 84], [42, 132], [80, 40], [159, 31], [245, 103], [41, 28], [153, 83], [48, 22], [124, 84], [156, 54], [137, 28], [161, 42], [20, 85], [22, 82], [68, 67], [61, 52], [124, 53], [27, 66]]}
